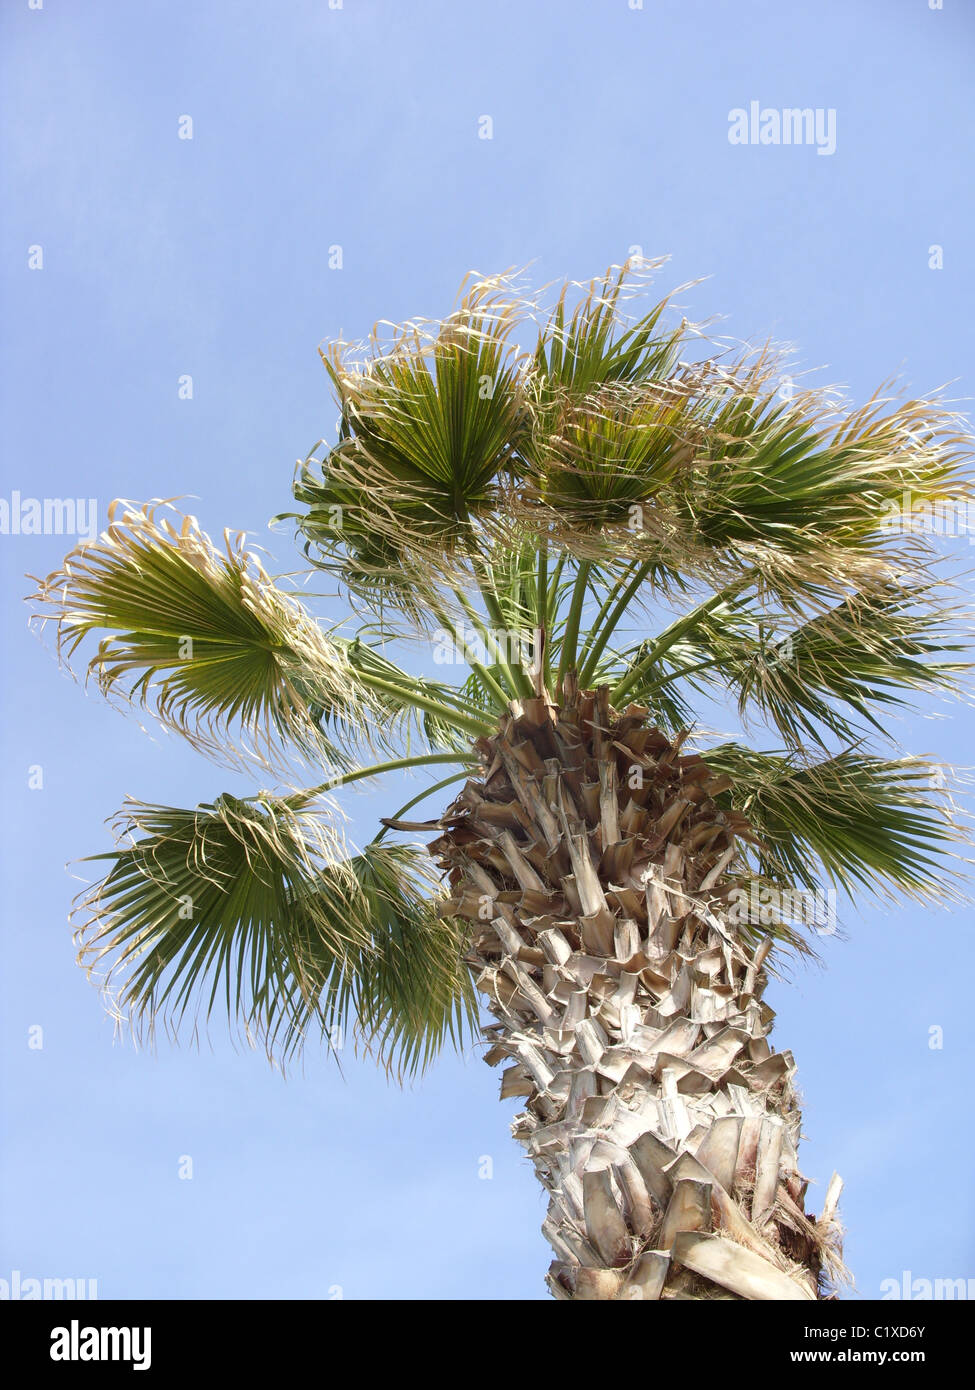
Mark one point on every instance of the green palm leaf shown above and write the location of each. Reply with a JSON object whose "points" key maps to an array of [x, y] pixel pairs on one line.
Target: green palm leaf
{"points": [[429, 426], [799, 474], [214, 646], [209, 640], [831, 674], [860, 821], [252, 905], [590, 346]]}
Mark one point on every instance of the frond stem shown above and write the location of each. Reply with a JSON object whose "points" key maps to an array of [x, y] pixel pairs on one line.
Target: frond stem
{"points": [[421, 796], [592, 653], [570, 640], [675, 632], [519, 676], [454, 717], [490, 641], [493, 687], [541, 610], [394, 765]]}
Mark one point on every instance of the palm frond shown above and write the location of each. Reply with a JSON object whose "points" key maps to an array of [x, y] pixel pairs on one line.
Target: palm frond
{"points": [[396, 707], [882, 825], [253, 907], [211, 644], [591, 345], [834, 673], [710, 474], [214, 646], [612, 441], [411, 992], [797, 474], [429, 423]]}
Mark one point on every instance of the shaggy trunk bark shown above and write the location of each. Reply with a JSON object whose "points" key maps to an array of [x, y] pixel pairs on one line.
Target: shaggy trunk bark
{"points": [[594, 861]]}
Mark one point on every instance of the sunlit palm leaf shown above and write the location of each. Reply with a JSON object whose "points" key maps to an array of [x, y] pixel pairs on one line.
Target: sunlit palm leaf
{"points": [[590, 345], [210, 642], [710, 474], [429, 424], [800, 473]]}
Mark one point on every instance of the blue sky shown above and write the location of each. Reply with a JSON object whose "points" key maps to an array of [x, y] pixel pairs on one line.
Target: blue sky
{"points": [[358, 127]]}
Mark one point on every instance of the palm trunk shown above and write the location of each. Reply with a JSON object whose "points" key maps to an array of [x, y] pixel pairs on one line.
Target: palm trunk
{"points": [[594, 861]]}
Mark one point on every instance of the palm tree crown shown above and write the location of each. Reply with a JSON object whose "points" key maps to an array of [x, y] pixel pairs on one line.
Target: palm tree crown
{"points": [[539, 511]]}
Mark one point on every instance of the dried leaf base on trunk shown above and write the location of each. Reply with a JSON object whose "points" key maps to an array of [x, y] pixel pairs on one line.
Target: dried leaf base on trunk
{"points": [[593, 861]]}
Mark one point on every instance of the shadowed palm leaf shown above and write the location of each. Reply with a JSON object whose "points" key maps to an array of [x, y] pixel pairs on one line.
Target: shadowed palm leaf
{"points": [[823, 676], [854, 820], [251, 906]]}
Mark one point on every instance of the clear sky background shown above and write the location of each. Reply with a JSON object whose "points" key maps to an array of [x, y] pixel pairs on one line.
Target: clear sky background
{"points": [[358, 127]]}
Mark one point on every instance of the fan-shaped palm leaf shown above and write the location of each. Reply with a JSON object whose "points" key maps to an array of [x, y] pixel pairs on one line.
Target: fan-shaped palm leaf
{"points": [[828, 675], [860, 821], [254, 904], [213, 644]]}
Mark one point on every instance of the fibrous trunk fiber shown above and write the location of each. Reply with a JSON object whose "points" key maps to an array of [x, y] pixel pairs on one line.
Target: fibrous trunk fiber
{"points": [[595, 864]]}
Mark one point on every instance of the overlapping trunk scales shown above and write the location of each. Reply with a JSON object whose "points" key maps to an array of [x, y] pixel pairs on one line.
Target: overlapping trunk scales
{"points": [[657, 1116]]}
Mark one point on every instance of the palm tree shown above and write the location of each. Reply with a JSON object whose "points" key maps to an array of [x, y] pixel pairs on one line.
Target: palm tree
{"points": [[616, 882]]}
